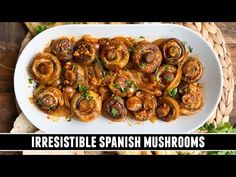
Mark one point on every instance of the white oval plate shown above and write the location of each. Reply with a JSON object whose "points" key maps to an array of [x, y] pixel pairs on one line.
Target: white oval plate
{"points": [[212, 79]]}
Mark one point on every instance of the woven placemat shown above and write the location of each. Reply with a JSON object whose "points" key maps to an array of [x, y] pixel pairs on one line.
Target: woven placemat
{"points": [[213, 35]]}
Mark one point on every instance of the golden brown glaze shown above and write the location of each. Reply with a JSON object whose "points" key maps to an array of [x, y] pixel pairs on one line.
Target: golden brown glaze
{"points": [[147, 57], [173, 51], [45, 68], [62, 49], [192, 70], [84, 52], [68, 93], [190, 98], [86, 106], [123, 83], [94, 74], [72, 75], [49, 99], [143, 105], [165, 75], [147, 83], [114, 108], [167, 108], [114, 54], [104, 92]]}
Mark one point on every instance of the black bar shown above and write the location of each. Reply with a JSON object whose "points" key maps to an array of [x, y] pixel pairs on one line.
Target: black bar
{"points": [[134, 142]]}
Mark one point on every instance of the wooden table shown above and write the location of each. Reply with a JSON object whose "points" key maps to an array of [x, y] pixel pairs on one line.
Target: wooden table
{"points": [[10, 40]]}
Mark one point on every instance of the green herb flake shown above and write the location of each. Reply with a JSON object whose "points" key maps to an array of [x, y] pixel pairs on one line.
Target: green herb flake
{"points": [[143, 64], [166, 67], [173, 92], [64, 51], [30, 81], [38, 102], [116, 99], [97, 61], [52, 107], [87, 96], [125, 89], [168, 78], [190, 49], [142, 37], [116, 86], [114, 112], [122, 89], [82, 88], [129, 83]]}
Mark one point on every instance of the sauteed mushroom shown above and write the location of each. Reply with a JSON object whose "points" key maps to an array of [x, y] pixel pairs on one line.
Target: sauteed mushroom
{"points": [[45, 68]]}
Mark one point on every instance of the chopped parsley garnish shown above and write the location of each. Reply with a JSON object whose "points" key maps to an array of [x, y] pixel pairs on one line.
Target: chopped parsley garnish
{"points": [[41, 28], [114, 112], [97, 61], [141, 37], [38, 102], [116, 85], [64, 51], [116, 98], [166, 67], [143, 64], [123, 89], [52, 107], [190, 49], [173, 92], [82, 88], [87, 96], [129, 83], [168, 78], [30, 81]]}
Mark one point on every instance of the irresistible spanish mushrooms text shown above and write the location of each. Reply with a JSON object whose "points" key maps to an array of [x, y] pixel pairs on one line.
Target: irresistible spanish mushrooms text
{"points": [[118, 78]]}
